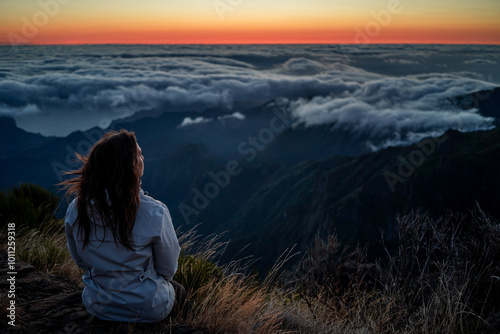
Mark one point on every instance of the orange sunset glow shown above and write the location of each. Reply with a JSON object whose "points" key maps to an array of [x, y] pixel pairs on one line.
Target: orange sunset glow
{"points": [[248, 22]]}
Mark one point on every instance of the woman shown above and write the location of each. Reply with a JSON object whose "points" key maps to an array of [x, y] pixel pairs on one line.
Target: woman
{"points": [[122, 238]]}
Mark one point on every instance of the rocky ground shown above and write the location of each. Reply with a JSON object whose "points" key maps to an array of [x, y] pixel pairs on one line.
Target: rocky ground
{"points": [[46, 303]]}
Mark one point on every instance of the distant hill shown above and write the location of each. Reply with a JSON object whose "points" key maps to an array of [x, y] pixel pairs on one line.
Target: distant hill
{"points": [[15, 140], [293, 182], [359, 197]]}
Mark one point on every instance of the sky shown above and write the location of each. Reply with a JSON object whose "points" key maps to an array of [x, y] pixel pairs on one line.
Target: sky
{"points": [[249, 21]]}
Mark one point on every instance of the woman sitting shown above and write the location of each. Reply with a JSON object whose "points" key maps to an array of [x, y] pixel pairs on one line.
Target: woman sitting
{"points": [[122, 238]]}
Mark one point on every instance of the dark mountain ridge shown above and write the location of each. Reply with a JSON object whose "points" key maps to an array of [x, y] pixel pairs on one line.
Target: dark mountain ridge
{"points": [[359, 198], [14, 139], [289, 186]]}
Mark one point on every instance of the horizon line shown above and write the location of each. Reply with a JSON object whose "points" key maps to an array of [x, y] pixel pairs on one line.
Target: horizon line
{"points": [[260, 43]]}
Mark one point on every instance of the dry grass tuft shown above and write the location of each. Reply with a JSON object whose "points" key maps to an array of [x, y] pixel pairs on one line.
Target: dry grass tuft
{"points": [[232, 305]]}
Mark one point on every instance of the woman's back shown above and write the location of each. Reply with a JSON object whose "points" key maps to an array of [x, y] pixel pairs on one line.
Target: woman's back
{"points": [[126, 285]]}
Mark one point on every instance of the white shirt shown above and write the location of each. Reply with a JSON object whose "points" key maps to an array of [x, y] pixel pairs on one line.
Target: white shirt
{"points": [[124, 285]]}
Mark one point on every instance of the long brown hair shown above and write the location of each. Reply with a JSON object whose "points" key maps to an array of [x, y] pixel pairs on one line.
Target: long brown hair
{"points": [[107, 186]]}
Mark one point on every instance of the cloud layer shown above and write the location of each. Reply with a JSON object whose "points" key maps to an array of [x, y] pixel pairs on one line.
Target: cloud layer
{"points": [[396, 111], [380, 89]]}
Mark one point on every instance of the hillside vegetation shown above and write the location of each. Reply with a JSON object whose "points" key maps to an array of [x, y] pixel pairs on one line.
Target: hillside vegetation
{"points": [[443, 277]]}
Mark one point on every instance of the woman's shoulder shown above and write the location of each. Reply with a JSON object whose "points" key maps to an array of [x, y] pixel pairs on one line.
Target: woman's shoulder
{"points": [[152, 207], [151, 215], [71, 212], [150, 201]]}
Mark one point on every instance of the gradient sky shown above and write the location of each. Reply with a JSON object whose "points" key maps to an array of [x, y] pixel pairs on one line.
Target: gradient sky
{"points": [[249, 21]]}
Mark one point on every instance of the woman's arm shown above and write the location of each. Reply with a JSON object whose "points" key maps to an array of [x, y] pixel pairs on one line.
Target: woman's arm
{"points": [[166, 248], [72, 247]]}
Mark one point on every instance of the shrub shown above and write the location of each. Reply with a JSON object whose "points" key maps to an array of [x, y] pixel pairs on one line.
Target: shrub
{"points": [[40, 238], [28, 205], [441, 281], [194, 272], [444, 271]]}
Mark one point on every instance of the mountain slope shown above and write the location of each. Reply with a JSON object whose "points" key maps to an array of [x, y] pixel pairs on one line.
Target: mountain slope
{"points": [[359, 198]]}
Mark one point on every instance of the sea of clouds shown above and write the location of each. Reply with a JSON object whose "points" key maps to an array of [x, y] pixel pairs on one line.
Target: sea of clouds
{"points": [[402, 92]]}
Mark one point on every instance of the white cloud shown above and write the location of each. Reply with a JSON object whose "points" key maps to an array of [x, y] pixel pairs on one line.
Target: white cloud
{"points": [[29, 109], [394, 111], [236, 115], [188, 121], [480, 62], [302, 66], [401, 61]]}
